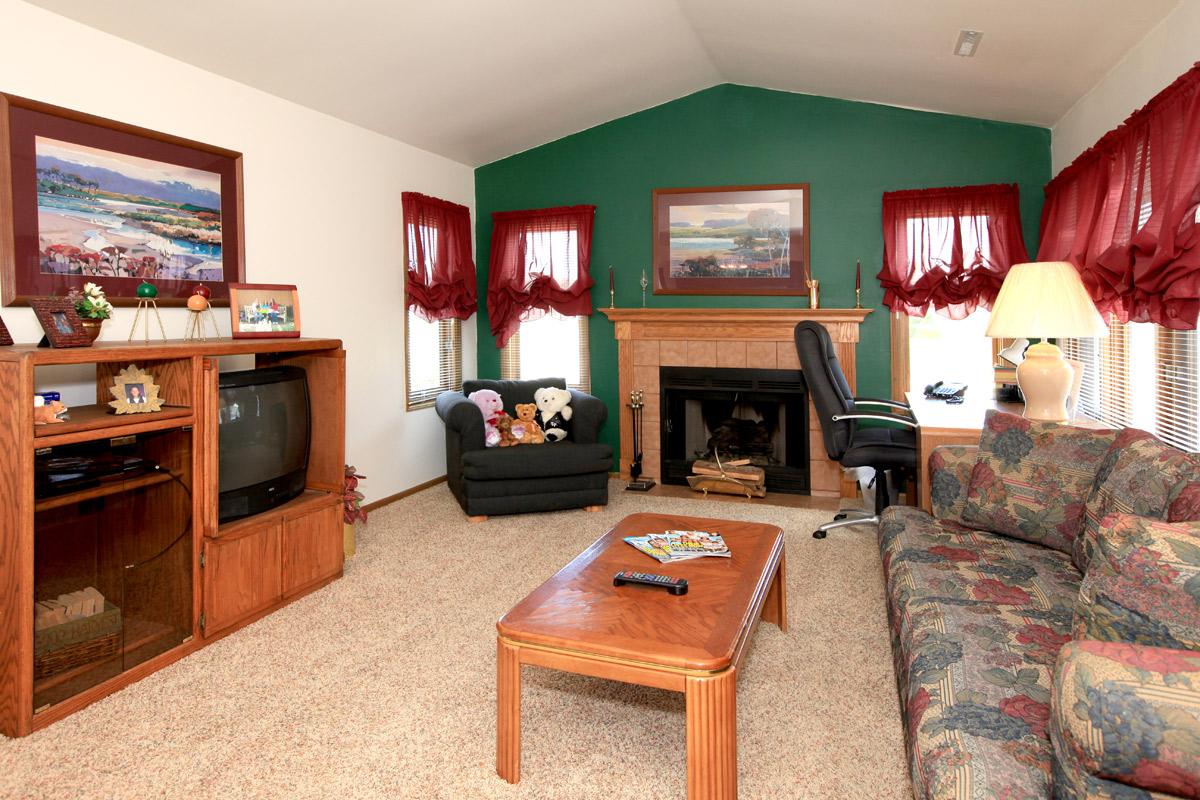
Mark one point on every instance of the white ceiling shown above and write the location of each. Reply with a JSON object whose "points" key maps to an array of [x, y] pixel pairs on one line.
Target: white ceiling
{"points": [[477, 80]]}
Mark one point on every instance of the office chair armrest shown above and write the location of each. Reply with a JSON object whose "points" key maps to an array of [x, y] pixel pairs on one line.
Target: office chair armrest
{"points": [[879, 416], [872, 401]]}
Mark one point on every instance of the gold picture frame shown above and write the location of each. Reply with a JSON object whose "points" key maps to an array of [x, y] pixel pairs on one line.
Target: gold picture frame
{"points": [[134, 392]]}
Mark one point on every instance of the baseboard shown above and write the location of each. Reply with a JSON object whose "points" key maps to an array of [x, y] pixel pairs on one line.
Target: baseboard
{"points": [[391, 498]]}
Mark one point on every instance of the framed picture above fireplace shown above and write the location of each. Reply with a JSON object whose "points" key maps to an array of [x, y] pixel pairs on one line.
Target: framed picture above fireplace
{"points": [[732, 240]]}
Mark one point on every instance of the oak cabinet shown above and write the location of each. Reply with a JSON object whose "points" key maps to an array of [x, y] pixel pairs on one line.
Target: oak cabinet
{"points": [[241, 575], [312, 547]]}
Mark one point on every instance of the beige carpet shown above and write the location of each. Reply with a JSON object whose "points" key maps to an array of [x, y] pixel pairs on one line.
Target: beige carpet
{"points": [[382, 684]]}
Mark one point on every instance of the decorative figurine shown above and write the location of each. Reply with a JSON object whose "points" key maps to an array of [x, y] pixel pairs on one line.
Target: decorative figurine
{"points": [[202, 290], [146, 292], [645, 284]]}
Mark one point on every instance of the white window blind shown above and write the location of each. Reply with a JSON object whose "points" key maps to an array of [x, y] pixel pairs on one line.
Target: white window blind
{"points": [[1144, 376], [432, 359], [552, 346]]}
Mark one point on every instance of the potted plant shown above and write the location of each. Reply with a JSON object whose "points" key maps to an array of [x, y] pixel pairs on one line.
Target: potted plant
{"points": [[92, 306], [352, 510]]}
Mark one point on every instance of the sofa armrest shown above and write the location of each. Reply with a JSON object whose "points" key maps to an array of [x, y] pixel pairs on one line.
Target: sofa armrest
{"points": [[1126, 714], [588, 413], [463, 418], [949, 477]]}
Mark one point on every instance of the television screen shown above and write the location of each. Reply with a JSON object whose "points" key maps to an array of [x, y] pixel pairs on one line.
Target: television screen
{"points": [[263, 435]]}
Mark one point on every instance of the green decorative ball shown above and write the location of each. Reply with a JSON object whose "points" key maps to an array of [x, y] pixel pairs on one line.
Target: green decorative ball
{"points": [[147, 289]]}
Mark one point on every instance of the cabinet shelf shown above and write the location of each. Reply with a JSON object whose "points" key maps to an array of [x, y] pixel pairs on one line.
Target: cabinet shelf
{"points": [[98, 422], [103, 490]]}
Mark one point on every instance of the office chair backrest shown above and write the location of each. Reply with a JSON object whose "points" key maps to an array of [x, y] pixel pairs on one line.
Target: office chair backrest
{"points": [[826, 385]]}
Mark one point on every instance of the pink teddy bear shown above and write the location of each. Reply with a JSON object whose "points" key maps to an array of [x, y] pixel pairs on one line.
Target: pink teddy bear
{"points": [[493, 410]]}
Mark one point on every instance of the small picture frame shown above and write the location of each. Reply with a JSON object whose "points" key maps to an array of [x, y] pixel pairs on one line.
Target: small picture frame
{"points": [[60, 322], [5, 337], [264, 310], [134, 392]]}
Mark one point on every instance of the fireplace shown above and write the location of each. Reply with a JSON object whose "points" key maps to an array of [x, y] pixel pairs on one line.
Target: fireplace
{"points": [[756, 414]]}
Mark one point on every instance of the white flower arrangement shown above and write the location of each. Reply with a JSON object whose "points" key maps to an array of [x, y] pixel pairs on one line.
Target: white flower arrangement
{"points": [[91, 303]]}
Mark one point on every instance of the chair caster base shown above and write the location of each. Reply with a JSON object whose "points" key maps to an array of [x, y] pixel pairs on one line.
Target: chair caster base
{"points": [[820, 534], [837, 517]]}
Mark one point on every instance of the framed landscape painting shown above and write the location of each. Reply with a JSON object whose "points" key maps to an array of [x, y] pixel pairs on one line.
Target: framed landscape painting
{"points": [[83, 198], [750, 240]]}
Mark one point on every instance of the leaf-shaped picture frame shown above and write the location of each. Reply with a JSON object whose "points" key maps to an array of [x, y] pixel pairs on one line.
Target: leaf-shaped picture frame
{"points": [[134, 392]]}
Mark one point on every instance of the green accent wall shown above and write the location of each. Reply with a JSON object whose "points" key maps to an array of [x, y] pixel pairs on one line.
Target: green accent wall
{"points": [[849, 153]]}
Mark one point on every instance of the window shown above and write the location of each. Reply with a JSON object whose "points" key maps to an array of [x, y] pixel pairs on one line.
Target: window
{"points": [[552, 346], [433, 359], [1142, 375], [943, 349]]}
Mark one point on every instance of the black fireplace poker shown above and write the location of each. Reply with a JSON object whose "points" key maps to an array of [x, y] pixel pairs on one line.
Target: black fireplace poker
{"points": [[636, 482]]}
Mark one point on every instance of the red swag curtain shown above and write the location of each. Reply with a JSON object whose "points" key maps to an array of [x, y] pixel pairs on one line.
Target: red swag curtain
{"points": [[441, 272], [1124, 212], [949, 248], [539, 262]]}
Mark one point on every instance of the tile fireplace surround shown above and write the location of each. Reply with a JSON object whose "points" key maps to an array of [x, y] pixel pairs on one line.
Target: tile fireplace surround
{"points": [[760, 338]]}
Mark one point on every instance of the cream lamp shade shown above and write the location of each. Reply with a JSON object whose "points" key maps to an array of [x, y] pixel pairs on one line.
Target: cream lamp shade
{"points": [[1045, 300]]}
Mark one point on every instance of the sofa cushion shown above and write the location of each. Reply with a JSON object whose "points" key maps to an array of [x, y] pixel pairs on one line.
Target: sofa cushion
{"points": [[933, 558], [1033, 478], [1139, 475], [536, 461], [1143, 584]]}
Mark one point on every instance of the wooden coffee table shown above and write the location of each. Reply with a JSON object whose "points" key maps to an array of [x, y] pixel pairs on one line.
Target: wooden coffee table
{"points": [[579, 622]]}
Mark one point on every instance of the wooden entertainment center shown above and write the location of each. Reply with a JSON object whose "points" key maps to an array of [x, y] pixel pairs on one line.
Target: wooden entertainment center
{"points": [[152, 542]]}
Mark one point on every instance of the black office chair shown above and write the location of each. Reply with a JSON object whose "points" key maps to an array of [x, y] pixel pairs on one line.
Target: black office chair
{"points": [[880, 448]]}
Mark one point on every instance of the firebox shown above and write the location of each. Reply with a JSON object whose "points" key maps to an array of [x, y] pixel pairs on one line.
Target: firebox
{"points": [[756, 414]]}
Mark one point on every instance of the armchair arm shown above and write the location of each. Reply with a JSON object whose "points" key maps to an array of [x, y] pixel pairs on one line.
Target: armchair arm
{"points": [[950, 469], [1126, 714], [879, 415], [463, 419], [588, 413], [872, 401]]}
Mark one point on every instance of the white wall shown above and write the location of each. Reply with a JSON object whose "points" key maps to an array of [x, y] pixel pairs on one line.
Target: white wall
{"points": [[1168, 51], [322, 211]]}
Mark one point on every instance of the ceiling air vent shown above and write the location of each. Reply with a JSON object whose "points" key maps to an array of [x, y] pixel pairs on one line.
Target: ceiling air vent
{"points": [[967, 44]]}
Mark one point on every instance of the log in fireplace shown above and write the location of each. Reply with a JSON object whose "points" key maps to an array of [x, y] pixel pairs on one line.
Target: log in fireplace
{"points": [[757, 414]]}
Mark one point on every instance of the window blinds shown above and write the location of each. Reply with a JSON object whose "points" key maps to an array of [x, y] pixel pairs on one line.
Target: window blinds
{"points": [[432, 359], [1143, 376]]}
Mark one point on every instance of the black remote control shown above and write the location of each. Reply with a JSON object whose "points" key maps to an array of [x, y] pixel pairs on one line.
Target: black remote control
{"points": [[676, 586]]}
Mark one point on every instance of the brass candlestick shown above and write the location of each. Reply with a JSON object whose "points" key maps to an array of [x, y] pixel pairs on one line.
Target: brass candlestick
{"points": [[645, 284], [858, 298], [814, 292]]}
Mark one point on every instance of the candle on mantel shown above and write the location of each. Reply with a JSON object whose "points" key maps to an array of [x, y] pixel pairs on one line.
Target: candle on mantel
{"points": [[610, 279], [858, 274]]}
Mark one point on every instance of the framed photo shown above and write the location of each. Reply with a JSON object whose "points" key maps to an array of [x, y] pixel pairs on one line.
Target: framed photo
{"points": [[264, 310], [60, 322], [134, 392], [749, 240], [5, 337], [85, 198]]}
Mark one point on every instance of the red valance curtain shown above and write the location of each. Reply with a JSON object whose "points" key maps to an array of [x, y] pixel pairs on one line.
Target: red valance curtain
{"points": [[949, 248], [441, 272], [539, 262], [1124, 212]]}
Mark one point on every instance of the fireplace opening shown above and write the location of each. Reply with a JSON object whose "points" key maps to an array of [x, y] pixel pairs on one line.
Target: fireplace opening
{"points": [[755, 414]]}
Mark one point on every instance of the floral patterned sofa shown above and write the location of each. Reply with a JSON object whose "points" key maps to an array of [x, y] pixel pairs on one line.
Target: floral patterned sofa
{"points": [[986, 596]]}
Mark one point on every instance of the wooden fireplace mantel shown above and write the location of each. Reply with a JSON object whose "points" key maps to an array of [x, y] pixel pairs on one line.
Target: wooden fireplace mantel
{"points": [[762, 338]]}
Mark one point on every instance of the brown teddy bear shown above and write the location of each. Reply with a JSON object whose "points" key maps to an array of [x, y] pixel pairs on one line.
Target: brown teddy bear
{"points": [[522, 429]]}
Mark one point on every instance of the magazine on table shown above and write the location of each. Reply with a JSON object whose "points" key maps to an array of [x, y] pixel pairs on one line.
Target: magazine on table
{"points": [[670, 546]]}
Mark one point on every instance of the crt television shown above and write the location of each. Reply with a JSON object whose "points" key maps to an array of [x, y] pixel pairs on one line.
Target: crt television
{"points": [[263, 434]]}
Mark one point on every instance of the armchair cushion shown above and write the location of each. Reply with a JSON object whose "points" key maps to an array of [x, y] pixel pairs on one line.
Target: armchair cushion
{"points": [[1123, 716], [1032, 479], [1143, 584], [1139, 475], [536, 461]]}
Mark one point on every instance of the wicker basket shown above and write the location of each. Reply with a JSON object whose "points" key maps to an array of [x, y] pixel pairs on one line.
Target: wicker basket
{"points": [[76, 643]]}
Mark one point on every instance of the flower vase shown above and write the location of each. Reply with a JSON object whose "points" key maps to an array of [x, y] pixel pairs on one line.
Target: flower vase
{"points": [[92, 328]]}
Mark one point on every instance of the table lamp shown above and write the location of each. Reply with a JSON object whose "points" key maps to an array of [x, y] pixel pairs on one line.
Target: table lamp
{"points": [[1045, 300]]}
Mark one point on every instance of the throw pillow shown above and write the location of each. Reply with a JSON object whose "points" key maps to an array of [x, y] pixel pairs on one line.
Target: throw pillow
{"points": [[1143, 585], [1139, 475], [1032, 478]]}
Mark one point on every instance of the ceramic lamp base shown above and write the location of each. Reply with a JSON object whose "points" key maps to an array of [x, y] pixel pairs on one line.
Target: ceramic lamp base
{"points": [[1045, 378]]}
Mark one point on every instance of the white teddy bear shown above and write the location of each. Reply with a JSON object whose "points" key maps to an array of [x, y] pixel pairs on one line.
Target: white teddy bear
{"points": [[554, 412]]}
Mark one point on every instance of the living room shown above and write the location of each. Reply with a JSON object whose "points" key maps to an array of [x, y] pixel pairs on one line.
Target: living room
{"points": [[762, 297]]}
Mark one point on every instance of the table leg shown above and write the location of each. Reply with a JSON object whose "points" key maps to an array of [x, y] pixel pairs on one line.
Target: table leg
{"points": [[775, 606], [712, 736], [508, 711]]}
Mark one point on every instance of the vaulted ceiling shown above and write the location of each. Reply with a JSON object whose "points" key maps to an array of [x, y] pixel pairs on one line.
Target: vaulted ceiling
{"points": [[477, 80]]}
